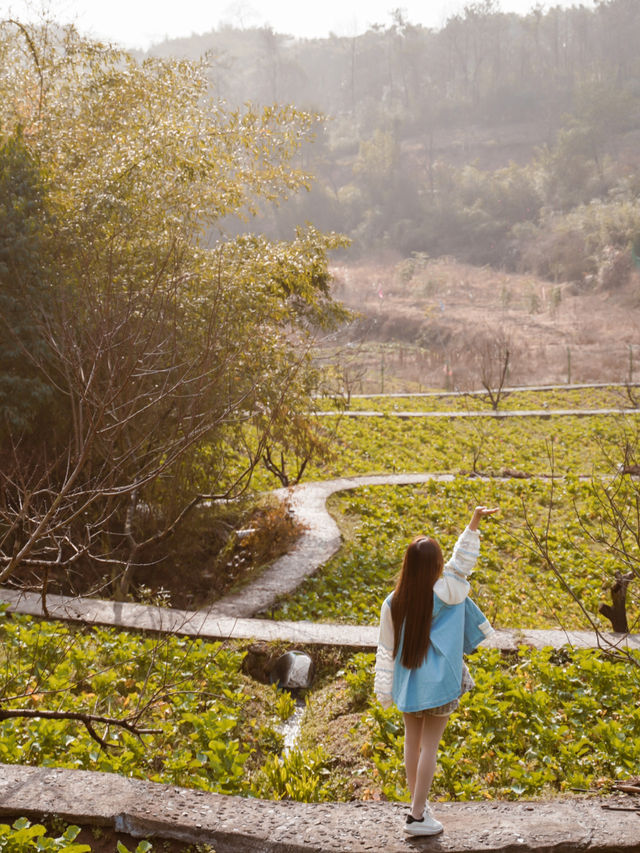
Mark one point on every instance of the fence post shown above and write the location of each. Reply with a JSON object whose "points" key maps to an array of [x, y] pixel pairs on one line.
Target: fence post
{"points": [[630, 364], [568, 365]]}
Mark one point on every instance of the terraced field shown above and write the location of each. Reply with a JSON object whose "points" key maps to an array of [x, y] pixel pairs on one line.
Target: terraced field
{"points": [[539, 723]]}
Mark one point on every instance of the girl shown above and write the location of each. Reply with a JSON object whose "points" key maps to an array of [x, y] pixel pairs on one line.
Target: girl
{"points": [[426, 625]]}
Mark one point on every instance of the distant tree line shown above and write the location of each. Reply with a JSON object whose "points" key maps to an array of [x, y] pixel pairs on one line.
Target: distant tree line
{"points": [[502, 139]]}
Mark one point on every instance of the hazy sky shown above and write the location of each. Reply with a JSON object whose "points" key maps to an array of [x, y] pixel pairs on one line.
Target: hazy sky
{"points": [[138, 23]]}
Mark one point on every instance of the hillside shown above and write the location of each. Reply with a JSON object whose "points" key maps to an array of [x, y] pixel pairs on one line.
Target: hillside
{"points": [[440, 323], [496, 139]]}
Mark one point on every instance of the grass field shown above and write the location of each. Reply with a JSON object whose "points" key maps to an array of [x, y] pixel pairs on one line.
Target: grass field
{"points": [[512, 584], [607, 397]]}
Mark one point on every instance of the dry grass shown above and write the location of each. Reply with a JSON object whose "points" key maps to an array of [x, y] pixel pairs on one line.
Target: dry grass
{"points": [[423, 324]]}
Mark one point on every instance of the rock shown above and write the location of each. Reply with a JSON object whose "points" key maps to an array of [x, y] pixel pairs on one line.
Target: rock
{"points": [[515, 474], [293, 671]]}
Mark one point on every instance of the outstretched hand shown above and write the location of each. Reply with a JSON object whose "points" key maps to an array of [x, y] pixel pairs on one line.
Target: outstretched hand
{"points": [[479, 513]]}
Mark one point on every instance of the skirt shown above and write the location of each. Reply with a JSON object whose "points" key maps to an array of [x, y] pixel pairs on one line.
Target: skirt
{"points": [[466, 686]]}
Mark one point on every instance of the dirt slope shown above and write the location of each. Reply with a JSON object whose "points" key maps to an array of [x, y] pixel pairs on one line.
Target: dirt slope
{"points": [[442, 323]]}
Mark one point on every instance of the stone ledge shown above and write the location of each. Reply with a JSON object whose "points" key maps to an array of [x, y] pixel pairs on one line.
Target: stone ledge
{"points": [[237, 825]]}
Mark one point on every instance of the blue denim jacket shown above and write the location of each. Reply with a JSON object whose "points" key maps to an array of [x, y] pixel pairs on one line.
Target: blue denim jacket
{"points": [[456, 629]]}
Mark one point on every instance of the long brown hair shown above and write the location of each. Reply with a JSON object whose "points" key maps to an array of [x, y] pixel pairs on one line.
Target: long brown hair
{"points": [[412, 602]]}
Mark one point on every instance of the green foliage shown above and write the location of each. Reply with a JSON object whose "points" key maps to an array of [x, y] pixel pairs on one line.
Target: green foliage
{"points": [[608, 397], [285, 705], [542, 723], [470, 213], [155, 307], [191, 691], [303, 775], [116, 190], [24, 288], [426, 123], [573, 245], [22, 836], [390, 445], [141, 847], [359, 678], [537, 723], [511, 583]]}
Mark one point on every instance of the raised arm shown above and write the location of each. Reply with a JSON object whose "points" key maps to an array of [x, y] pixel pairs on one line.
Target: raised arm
{"points": [[479, 513], [453, 586]]}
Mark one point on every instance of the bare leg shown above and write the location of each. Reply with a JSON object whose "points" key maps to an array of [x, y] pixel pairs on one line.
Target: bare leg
{"points": [[432, 731], [412, 741]]}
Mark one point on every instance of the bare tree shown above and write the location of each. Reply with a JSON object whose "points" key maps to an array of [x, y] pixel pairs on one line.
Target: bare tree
{"points": [[616, 531], [347, 369], [168, 360], [616, 612], [494, 357], [139, 405], [631, 389], [477, 441]]}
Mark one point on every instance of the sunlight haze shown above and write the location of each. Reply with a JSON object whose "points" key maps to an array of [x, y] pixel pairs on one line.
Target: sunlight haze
{"points": [[145, 22]]}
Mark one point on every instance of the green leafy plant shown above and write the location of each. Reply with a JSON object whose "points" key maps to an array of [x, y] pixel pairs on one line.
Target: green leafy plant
{"points": [[196, 718], [511, 583], [141, 847], [303, 775], [285, 705], [22, 836], [359, 677], [541, 723]]}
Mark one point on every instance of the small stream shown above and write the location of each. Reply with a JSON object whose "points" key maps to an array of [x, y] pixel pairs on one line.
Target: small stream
{"points": [[290, 729]]}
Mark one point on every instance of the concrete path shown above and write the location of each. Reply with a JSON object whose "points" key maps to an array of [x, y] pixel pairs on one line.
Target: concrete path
{"points": [[229, 618], [511, 389], [500, 414], [237, 825], [319, 542], [209, 626]]}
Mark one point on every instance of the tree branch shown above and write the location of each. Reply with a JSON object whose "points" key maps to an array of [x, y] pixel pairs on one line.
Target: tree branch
{"points": [[86, 719]]}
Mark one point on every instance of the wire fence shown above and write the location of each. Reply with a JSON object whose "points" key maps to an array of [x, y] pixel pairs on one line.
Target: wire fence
{"points": [[396, 368]]}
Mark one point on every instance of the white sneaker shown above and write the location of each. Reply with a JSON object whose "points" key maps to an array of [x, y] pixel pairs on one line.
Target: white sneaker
{"points": [[427, 825]]}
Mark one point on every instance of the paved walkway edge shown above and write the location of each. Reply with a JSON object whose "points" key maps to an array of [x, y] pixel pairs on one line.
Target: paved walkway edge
{"points": [[482, 392], [496, 415], [237, 825], [319, 542], [209, 626]]}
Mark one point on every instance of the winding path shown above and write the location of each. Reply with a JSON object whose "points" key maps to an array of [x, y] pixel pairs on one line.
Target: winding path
{"points": [[231, 616], [498, 414], [508, 389], [319, 542]]}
